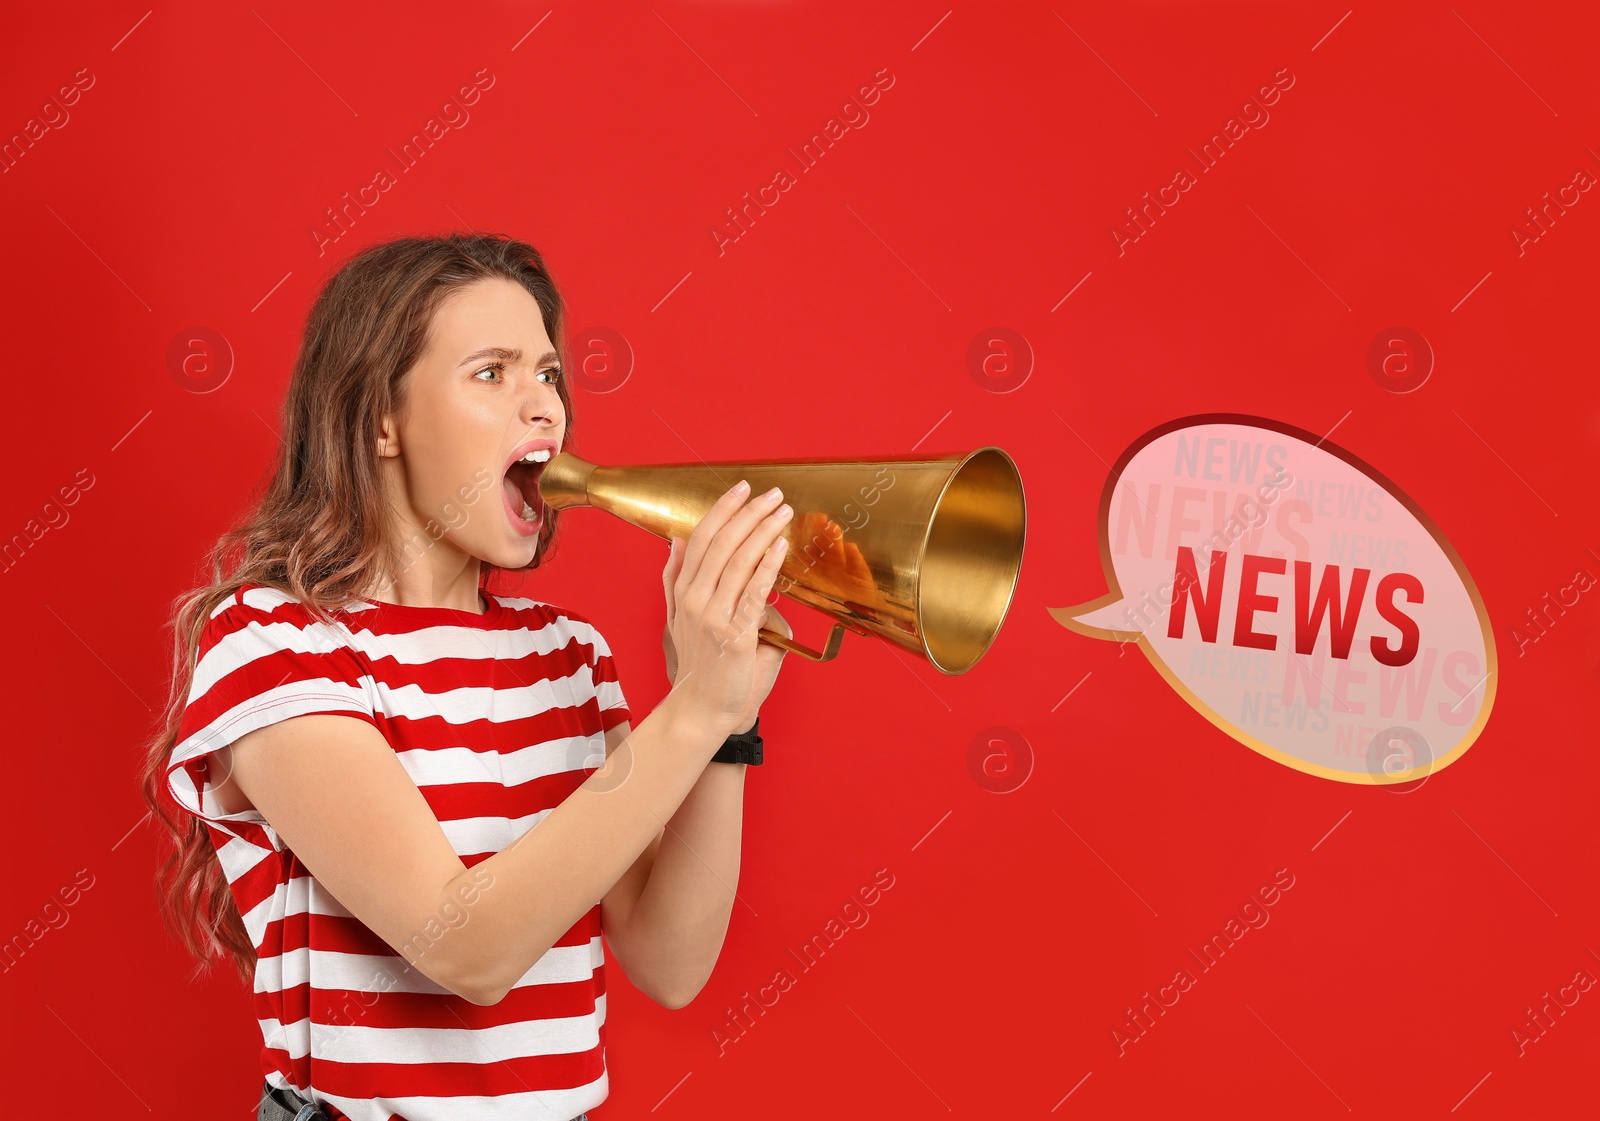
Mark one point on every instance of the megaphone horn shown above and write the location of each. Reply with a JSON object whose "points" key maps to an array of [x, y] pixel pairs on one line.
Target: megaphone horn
{"points": [[924, 553]]}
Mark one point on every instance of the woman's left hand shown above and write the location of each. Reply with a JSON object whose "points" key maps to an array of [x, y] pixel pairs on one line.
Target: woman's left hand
{"points": [[768, 657]]}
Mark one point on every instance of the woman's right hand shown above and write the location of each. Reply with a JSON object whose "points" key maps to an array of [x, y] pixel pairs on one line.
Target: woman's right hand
{"points": [[716, 600]]}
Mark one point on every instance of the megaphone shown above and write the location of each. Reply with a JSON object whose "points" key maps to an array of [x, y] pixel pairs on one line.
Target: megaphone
{"points": [[924, 553]]}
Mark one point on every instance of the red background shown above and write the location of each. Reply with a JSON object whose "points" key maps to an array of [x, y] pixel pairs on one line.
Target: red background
{"points": [[981, 192]]}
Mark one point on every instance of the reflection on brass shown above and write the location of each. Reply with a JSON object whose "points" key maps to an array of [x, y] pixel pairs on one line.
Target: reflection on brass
{"points": [[924, 553]]}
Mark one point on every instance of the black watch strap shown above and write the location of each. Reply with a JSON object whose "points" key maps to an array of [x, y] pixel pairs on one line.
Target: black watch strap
{"points": [[745, 747]]}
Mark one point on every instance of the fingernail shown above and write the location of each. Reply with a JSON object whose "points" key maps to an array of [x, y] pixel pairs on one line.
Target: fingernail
{"points": [[741, 486], [773, 493]]}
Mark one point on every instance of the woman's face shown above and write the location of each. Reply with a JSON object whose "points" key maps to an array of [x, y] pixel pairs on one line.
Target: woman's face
{"points": [[482, 394]]}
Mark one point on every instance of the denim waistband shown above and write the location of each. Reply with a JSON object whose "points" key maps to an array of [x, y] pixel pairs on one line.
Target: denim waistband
{"points": [[286, 1105]]}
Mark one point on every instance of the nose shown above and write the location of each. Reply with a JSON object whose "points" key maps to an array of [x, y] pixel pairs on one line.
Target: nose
{"points": [[542, 407]]}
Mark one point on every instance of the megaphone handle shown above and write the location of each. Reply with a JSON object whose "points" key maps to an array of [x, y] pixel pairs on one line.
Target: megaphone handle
{"points": [[829, 648]]}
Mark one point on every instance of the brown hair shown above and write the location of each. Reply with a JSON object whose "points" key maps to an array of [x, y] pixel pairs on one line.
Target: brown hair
{"points": [[319, 532]]}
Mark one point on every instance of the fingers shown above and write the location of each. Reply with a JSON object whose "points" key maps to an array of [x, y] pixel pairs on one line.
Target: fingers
{"points": [[669, 577], [775, 622], [748, 554], [669, 653], [729, 533], [700, 538], [741, 567]]}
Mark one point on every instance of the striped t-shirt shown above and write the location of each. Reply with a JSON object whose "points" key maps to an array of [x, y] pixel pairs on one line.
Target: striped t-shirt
{"points": [[497, 718]]}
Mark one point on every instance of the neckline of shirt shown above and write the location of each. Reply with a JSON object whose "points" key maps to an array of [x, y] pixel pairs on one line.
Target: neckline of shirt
{"points": [[449, 616]]}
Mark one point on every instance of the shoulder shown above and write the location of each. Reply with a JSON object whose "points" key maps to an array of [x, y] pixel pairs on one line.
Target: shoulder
{"points": [[562, 625], [265, 602], [260, 617]]}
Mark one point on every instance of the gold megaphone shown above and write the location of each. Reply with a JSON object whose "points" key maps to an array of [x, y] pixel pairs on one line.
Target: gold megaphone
{"points": [[922, 552]]}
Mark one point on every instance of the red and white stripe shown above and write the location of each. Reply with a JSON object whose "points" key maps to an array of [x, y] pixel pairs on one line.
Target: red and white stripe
{"points": [[496, 718]]}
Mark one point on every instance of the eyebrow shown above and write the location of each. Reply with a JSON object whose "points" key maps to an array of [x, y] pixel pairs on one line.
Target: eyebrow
{"points": [[504, 354]]}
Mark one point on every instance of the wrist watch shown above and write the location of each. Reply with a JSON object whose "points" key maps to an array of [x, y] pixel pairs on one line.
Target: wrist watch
{"points": [[743, 747]]}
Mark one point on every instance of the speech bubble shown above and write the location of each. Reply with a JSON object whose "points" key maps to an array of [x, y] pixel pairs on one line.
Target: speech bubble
{"points": [[1296, 597]]}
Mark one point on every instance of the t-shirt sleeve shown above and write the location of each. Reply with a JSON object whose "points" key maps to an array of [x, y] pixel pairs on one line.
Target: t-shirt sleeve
{"points": [[256, 666], [607, 687]]}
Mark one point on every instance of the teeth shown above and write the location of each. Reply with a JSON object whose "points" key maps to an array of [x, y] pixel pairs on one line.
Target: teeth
{"points": [[540, 456], [527, 511]]}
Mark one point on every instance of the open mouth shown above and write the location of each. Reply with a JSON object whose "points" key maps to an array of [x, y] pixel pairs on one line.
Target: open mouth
{"points": [[523, 504]]}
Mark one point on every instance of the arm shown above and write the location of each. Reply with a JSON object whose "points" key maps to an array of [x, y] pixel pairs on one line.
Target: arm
{"points": [[385, 857], [666, 919]]}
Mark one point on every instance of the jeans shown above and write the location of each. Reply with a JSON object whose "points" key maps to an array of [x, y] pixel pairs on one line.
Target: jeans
{"points": [[286, 1105]]}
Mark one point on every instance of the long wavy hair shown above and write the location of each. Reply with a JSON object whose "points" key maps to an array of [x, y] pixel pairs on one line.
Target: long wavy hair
{"points": [[320, 530]]}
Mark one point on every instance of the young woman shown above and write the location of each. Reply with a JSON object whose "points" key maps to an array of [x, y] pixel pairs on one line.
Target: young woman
{"points": [[406, 808]]}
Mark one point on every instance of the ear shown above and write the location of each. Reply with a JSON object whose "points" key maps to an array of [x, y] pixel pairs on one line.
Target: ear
{"points": [[388, 438]]}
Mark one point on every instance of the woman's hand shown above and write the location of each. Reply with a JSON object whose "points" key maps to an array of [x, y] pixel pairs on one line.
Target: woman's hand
{"points": [[716, 587], [768, 657]]}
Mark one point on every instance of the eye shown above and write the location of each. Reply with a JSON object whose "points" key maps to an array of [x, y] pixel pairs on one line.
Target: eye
{"points": [[551, 375]]}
